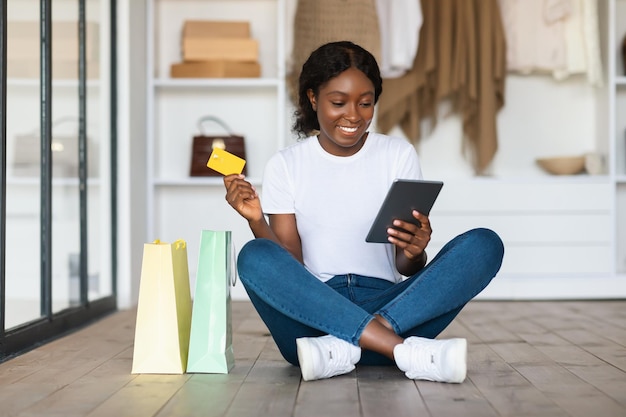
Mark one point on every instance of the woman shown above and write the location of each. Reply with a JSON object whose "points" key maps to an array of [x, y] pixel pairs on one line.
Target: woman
{"points": [[330, 299]]}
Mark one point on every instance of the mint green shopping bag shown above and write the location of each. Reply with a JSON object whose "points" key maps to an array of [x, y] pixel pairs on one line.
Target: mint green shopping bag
{"points": [[211, 340]]}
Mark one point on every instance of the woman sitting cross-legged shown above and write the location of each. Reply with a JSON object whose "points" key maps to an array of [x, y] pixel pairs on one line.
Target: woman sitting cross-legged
{"points": [[330, 299]]}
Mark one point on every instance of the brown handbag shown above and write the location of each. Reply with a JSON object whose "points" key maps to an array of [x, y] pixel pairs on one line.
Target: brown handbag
{"points": [[203, 145]]}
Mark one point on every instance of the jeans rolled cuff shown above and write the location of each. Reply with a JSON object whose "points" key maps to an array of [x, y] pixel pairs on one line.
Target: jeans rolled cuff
{"points": [[391, 321], [359, 331]]}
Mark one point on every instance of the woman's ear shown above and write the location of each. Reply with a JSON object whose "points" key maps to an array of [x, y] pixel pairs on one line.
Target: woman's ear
{"points": [[312, 100]]}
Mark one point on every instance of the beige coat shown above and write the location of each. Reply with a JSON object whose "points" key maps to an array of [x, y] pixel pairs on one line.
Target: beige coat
{"points": [[461, 56]]}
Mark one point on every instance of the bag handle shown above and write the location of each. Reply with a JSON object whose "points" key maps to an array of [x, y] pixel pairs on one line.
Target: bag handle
{"points": [[213, 119], [178, 244], [233, 262], [64, 119]]}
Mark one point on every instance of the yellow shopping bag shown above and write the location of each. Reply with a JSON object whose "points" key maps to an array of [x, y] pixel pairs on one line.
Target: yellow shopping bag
{"points": [[164, 310]]}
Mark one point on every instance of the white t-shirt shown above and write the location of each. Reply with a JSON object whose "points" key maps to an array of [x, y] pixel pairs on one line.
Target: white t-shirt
{"points": [[335, 200]]}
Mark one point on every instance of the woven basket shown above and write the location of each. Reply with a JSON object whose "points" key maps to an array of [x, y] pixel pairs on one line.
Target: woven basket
{"points": [[321, 21]]}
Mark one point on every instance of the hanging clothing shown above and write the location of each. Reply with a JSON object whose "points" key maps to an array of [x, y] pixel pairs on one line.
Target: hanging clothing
{"points": [[535, 40], [399, 22], [461, 57], [558, 37], [406, 100], [317, 22], [582, 43]]}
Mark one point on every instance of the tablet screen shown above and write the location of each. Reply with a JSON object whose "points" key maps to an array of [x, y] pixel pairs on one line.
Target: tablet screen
{"points": [[403, 197]]}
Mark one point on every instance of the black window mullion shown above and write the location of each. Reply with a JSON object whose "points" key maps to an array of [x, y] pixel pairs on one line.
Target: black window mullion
{"points": [[113, 141], [3, 161], [82, 152], [46, 156]]}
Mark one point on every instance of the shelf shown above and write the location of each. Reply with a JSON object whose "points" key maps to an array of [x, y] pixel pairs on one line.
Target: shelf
{"points": [[35, 82], [217, 82], [198, 182], [55, 181], [538, 179], [621, 179], [563, 179], [620, 80]]}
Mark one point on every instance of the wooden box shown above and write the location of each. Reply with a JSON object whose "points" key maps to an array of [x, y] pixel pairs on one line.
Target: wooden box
{"points": [[227, 49], [215, 29], [216, 69]]}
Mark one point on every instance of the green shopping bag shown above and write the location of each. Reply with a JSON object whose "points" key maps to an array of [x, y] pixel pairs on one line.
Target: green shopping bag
{"points": [[211, 340]]}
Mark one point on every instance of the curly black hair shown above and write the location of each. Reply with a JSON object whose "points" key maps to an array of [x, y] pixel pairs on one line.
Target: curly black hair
{"points": [[326, 62]]}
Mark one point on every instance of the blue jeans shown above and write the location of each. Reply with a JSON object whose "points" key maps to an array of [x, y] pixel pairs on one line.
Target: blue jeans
{"points": [[294, 303]]}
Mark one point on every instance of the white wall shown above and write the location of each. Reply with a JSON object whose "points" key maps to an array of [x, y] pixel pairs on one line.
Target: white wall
{"points": [[131, 140], [541, 117]]}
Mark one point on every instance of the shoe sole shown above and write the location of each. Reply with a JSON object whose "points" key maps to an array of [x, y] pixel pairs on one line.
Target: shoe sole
{"points": [[460, 360], [305, 359]]}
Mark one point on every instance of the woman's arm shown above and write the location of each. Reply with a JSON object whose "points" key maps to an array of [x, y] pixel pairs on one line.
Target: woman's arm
{"points": [[408, 267], [242, 196], [285, 229], [410, 242]]}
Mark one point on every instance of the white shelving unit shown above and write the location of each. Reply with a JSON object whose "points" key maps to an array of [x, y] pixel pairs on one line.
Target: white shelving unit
{"points": [[180, 206], [564, 236]]}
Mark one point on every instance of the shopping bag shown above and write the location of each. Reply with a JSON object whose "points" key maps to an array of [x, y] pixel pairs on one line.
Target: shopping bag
{"points": [[211, 341], [204, 143], [164, 310]]}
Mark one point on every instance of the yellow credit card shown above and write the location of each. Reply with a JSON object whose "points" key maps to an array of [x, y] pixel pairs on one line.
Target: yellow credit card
{"points": [[225, 162]]}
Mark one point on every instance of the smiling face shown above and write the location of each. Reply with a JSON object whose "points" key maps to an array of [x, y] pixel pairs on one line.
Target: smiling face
{"points": [[345, 109]]}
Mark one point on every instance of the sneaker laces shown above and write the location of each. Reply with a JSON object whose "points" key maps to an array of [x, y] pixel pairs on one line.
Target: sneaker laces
{"points": [[423, 359], [337, 356]]}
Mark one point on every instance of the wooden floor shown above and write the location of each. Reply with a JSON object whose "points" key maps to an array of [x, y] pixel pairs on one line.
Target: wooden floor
{"points": [[525, 359]]}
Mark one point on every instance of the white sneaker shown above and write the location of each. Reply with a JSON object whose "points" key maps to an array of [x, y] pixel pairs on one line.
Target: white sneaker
{"points": [[326, 356], [432, 360]]}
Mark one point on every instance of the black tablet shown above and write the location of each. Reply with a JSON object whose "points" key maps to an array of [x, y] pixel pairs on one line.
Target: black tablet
{"points": [[403, 197]]}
